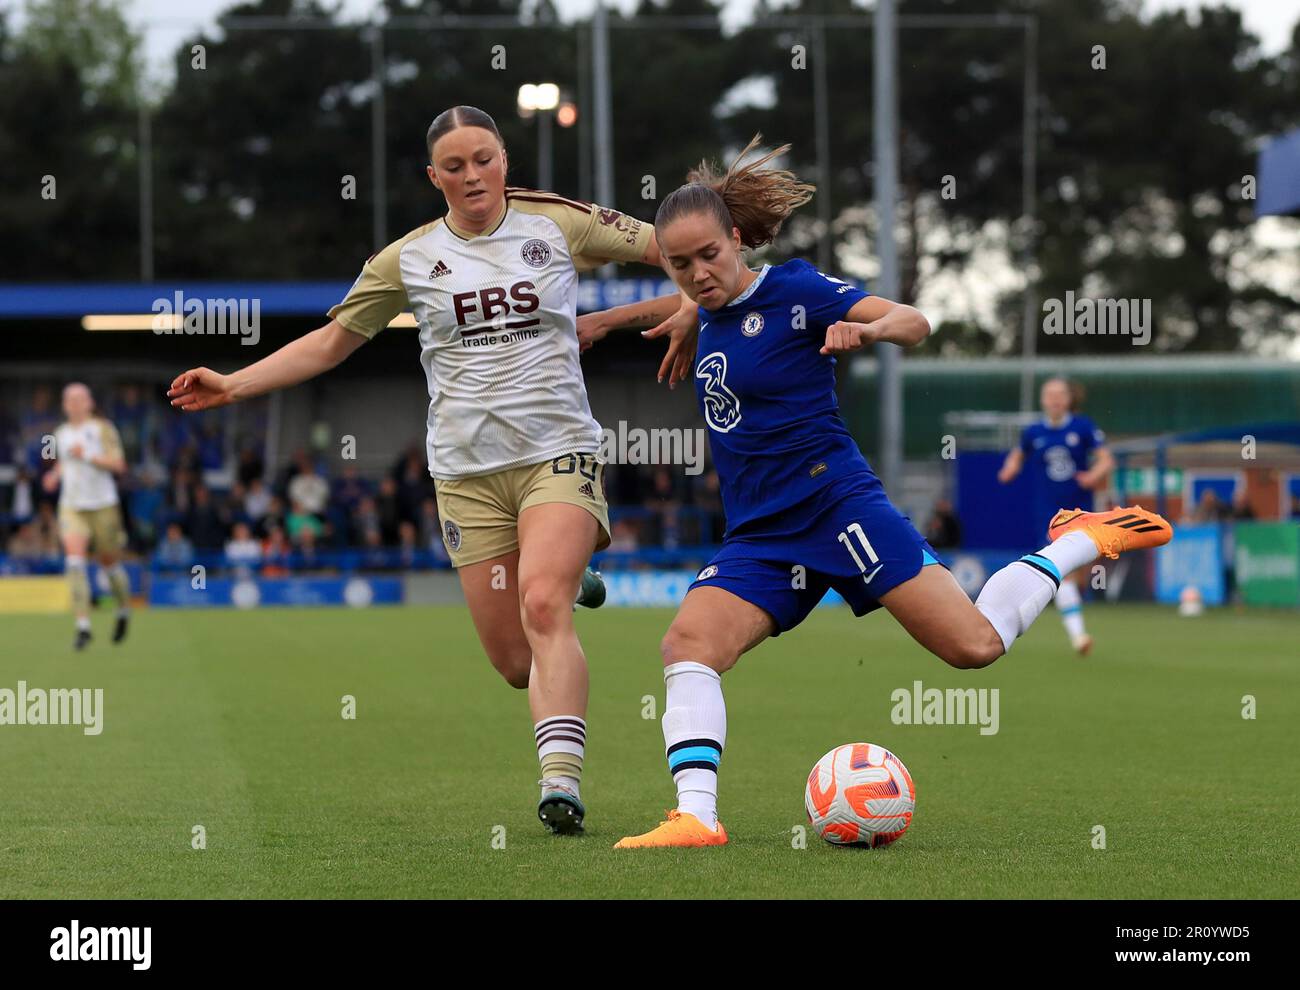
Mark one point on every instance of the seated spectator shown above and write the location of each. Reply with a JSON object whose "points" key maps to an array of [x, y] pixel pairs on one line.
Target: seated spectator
{"points": [[175, 550], [1210, 509], [232, 507], [943, 530], [1241, 508], [365, 520], [276, 553], [429, 524], [23, 506], [130, 414], [407, 543], [250, 466], [708, 499], [350, 488], [26, 544], [257, 501], [390, 510], [308, 555], [413, 482], [665, 503], [622, 537], [205, 522], [179, 491], [47, 527], [299, 521], [211, 445], [241, 549], [373, 555], [307, 488]]}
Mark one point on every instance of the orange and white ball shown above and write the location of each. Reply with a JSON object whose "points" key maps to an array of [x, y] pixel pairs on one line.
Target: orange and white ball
{"points": [[860, 794]]}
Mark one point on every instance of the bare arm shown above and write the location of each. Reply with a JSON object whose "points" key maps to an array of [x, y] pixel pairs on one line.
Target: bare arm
{"points": [[672, 316], [310, 355], [875, 319], [1096, 476], [109, 462], [1011, 466], [644, 314]]}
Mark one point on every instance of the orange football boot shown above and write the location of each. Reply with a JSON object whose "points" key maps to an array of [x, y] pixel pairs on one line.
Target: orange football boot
{"points": [[681, 831], [1115, 530]]}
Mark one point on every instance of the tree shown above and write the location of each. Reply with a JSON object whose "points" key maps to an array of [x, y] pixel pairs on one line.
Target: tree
{"points": [[68, 148]]}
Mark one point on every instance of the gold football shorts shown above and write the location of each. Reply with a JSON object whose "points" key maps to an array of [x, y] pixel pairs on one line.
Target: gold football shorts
{"points": [[102, 527], [480, 515]]}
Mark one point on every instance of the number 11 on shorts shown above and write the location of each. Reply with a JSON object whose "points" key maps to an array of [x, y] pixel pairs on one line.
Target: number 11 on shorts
{"points": [[856, 530]]}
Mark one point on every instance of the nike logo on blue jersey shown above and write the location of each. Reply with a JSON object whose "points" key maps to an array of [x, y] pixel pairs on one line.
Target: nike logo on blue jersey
{"points": [[866, 578]]}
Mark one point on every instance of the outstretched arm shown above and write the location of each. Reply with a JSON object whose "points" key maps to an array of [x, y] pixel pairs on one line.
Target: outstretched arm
{"points": [[1011, 466], [672, 316], [1097, 475], [308, 356], [874, 319]]}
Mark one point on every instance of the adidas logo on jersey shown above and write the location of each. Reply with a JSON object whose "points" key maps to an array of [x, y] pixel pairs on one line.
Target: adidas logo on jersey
{"points": [[586, 489], [439, 269]]}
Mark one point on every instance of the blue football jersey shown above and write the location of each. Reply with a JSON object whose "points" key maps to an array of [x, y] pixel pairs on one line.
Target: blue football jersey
{"points": [[768, 396], [1053, 455]]}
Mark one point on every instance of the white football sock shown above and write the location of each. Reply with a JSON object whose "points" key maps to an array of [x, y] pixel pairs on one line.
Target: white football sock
{"points": [[1069, 552], [1070, 603], [695, 731], [1016, 595]]}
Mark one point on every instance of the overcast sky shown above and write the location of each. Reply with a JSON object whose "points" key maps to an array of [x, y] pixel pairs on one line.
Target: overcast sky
{"points": [[167, 21]]}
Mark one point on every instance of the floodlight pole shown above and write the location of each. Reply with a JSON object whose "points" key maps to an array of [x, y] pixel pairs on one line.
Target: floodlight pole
{"points": [[604, 128], [821, 125], [145, 153], [1029, 210], [378, 133], [885, 139]]}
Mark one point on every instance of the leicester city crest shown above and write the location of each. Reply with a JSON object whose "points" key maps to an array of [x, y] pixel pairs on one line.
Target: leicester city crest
{"points": [[536, 253], [451, 535]]}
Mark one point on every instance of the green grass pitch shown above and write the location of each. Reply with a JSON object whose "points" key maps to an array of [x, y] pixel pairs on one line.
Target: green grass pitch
{"points": [[232, 720]]}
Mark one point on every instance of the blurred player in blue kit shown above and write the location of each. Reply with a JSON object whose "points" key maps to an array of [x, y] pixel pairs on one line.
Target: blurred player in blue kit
{"points": [[1067, 460]]}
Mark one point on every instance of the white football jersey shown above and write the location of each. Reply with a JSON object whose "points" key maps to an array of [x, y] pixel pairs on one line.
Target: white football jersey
{"points": [[83, 485], [497, 320]]}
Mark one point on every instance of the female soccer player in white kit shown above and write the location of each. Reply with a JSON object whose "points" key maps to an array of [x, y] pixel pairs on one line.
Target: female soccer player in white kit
{"points": [[512, 444]]}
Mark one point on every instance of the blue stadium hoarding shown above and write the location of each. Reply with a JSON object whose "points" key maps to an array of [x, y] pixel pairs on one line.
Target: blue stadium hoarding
{"points": [[77, 299]]}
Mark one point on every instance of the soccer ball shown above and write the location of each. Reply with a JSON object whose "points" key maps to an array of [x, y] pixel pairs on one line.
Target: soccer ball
{"points": [[860, 794]]}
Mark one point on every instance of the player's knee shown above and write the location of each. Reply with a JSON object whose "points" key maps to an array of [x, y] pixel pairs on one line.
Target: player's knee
{"points": [[681, 644], [974, 651], [545, 608]]}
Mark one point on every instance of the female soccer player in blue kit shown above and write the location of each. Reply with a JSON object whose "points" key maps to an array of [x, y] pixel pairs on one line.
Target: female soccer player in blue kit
{"points": [[805, 513], [1067, 459]]}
